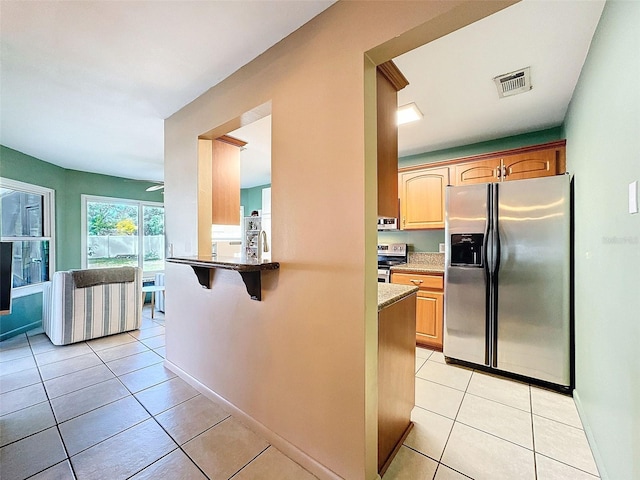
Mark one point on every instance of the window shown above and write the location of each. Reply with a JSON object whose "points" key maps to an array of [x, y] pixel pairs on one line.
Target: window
{"points": [[119, 232], [26, 222]]}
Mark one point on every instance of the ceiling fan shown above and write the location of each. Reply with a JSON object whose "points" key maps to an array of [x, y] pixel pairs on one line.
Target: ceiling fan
{"points": [[153, 188]]}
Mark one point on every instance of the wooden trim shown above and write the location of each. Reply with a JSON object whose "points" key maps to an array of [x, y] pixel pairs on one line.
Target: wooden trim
{"points": [[485, 156], [561, 161], [232, 141], [395, 450], [205, 159], [392, 73], [387, 106]]}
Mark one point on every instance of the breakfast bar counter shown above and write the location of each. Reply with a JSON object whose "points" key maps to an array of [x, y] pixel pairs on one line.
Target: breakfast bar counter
{"points": [[250, 270]]}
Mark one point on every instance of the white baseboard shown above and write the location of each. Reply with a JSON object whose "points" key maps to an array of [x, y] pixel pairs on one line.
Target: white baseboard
{"points": [[287, 448], [592, 441]]}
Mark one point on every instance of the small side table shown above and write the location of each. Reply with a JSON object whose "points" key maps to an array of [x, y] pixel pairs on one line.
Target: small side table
{"points": [[152, 289]]}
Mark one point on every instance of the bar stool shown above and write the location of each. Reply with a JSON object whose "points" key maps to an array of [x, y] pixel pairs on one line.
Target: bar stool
{"points": [[152, 289]]}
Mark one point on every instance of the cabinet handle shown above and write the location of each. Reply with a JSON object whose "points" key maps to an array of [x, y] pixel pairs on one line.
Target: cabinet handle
{"points": [[417, 282], [404, 221], [498, 173], [504, 171]]}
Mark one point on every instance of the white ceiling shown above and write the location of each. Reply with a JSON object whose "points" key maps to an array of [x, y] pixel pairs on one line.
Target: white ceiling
{"points": [[451, 79], [87, 85], [255, 156]]}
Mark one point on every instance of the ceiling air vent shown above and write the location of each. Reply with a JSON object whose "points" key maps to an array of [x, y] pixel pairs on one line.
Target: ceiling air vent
{"points": [[513, 83]]}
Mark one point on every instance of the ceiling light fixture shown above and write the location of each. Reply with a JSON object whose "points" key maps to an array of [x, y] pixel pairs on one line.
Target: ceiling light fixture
{"points": [[408, 113]]}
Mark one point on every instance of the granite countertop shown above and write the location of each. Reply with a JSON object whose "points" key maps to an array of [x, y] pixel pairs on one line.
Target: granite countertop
{"points": [[389, 293], [250, 270], [227, 263], [422, 262]]}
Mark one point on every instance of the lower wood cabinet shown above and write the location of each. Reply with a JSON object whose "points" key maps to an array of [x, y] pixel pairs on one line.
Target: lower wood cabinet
{"points": [[429, 319], [396, 377], [429, 306]]}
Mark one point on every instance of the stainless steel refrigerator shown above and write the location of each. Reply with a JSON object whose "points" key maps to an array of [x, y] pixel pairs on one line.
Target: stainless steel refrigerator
{"points": [[507, 277]]}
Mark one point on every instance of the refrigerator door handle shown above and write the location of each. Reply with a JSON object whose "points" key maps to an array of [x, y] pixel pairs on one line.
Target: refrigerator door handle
{"points": [[496, 233], [488, 247], [488, 272], [486, 254], [495, 239]]}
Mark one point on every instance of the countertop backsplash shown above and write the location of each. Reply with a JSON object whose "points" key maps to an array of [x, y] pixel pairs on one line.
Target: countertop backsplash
{"points": [[428, 258]]}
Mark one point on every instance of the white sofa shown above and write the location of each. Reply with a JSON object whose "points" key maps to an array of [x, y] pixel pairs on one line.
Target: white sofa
{"points": [[86, 304]]}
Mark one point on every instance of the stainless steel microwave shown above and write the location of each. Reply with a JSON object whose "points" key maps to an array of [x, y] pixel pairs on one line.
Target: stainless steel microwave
{"points": [[385, 223]]}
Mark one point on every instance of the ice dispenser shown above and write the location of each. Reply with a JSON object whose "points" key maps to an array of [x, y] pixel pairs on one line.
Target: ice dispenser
{"points": [[466, 249]]}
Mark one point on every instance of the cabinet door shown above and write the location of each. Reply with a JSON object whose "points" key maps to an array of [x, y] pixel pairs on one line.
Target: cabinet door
{"points": [[541, 163], [422, 198], [482, 171], [429, 313], [225, 182]]}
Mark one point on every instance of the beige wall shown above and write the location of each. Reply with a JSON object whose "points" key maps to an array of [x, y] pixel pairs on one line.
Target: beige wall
{"points": [[302, 361]]}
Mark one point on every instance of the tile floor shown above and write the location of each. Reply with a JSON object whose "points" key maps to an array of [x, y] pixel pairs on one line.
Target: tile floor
{"points": [[107, 408], [468, 424]]}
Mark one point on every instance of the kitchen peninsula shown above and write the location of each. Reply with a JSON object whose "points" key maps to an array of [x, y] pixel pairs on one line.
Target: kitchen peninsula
{"points": [[250, 270], [396, 366]]}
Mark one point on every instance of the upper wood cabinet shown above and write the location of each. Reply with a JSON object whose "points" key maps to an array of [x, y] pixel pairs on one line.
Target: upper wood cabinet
{"points": [[482, 171], [422, 188], [422, 198], [529, 162], [225, 181], [389, 80], [541, 163]]}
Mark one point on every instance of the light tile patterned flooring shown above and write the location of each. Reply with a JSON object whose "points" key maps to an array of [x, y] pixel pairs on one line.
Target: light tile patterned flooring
{"points": [[468, 424], [107, 408]]}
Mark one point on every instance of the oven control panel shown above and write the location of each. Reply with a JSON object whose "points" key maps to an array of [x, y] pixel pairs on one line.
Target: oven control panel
{"points": [[399, 249]]}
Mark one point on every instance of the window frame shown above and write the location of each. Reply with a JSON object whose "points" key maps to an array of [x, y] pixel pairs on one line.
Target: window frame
{"points": [[85, 198], [48, 229]]}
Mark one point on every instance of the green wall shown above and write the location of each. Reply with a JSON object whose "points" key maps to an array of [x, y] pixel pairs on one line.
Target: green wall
{"points": [[506, 143], [26, 314], [251, 198], [418, 240], [603, 151], [428, 240], [69, 185]]}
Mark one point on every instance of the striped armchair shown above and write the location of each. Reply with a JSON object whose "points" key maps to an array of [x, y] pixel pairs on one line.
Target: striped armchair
{"points": [[86, 304]]}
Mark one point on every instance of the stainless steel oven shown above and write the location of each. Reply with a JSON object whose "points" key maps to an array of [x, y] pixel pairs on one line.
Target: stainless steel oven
{"points": [[390, 254]]}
